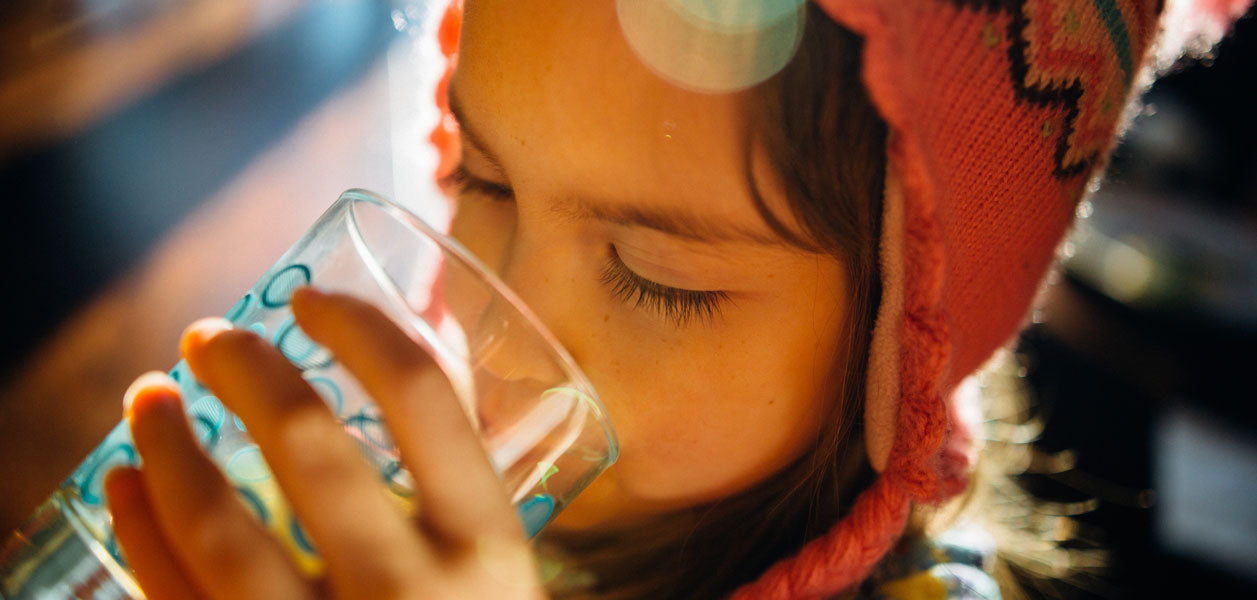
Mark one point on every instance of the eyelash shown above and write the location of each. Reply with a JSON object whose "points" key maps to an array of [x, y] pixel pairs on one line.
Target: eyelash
{"points": [[675, 304], [465, 182]]}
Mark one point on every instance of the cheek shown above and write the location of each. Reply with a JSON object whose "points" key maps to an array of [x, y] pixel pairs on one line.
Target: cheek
{"points": [[707, 423]]}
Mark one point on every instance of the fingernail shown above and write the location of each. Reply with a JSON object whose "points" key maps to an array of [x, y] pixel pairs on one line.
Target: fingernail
{"points": [[150, 387], [308, 293], [202, 331], [307, 300]]}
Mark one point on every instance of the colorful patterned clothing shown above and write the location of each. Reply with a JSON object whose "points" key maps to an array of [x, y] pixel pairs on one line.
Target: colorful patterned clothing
{"points": [[956, 565]]}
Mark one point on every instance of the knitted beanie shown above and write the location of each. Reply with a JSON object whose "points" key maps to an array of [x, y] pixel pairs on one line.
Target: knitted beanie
{"points": [[1000, 113]]}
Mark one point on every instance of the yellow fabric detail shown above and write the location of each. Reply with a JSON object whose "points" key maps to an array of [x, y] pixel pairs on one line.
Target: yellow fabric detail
{"points": [[922, 586]]}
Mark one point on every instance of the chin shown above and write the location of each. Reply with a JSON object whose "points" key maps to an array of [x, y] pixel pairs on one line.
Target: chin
{"points": [[607, 505]]}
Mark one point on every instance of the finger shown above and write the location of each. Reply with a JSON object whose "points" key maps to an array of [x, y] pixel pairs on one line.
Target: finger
{"points": [[462, 497], [220, 545], [150, 558], [368, 544]]}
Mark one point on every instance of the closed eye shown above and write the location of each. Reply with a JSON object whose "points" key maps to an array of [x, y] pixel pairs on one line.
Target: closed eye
{"points": [[462, 181], [677, 305]]}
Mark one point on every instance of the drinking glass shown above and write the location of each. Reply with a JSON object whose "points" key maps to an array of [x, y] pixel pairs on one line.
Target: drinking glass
{"points": [[541, 423]]}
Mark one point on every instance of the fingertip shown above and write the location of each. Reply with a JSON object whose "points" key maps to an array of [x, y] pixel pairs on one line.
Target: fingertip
{"points": [[200, 332], [307, 294], [321, 312], [150, 387], [306, 301], [154, 412]]}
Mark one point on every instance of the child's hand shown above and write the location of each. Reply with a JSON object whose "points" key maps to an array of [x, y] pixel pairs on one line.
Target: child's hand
{"points": [[186, 534]]}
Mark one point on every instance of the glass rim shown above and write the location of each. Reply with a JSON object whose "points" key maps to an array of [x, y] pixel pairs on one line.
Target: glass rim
{"points": [[451, 247]]}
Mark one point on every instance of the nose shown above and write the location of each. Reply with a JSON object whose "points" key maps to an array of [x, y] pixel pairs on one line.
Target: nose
{"points": [[533, 272], [518, 248], [514, 337], [527, 409], [503, 337]]}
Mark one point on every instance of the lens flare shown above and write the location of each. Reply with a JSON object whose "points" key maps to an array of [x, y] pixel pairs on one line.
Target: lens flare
{"points": [[713, 46]]}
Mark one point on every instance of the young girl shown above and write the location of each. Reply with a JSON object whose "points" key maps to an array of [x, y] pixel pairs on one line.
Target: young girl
{"points": [[778, 284]]}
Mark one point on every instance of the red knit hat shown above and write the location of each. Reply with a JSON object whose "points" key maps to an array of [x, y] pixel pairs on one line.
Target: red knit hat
{"points": [[1000, 112]]}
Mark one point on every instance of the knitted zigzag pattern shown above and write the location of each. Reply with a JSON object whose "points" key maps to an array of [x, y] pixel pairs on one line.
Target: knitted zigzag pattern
{"points": [[999, 111]]}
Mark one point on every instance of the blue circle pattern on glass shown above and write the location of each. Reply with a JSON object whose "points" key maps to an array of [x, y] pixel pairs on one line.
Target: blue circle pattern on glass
{"points": [[91, 484], [207, 413], [189, 387], [299, 349], [209, 416], [207, 420], [242, 306], [279, 289], [248, 466], [330, 392], [254, 504], [398, 479], [299, 536], [371, 431], [535, 512]]}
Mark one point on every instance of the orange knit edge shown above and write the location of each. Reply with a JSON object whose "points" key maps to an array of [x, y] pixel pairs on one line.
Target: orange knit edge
{"points": [[925, 338], [925, 346], [846, 554], [925, 343]]}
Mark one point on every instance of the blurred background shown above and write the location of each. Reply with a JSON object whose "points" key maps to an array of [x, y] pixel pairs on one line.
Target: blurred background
{"points": [[1139, 356], [160, 154]]}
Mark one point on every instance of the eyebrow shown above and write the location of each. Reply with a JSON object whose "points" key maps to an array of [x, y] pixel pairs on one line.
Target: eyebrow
{"points": [[676, 223]]}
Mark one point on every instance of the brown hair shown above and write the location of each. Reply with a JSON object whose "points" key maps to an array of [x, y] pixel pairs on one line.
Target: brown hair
{"points": [[826, 142]]}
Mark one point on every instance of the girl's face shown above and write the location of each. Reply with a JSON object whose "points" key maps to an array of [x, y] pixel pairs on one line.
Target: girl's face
{"points": [[620, 208]]}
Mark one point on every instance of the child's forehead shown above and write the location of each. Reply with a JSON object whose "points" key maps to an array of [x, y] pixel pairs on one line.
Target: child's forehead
{"points": [[565, 76], [557, 92]]}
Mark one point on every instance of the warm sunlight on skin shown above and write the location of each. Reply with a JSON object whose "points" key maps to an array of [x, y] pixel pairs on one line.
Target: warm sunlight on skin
{"points": [[579, 145]]}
